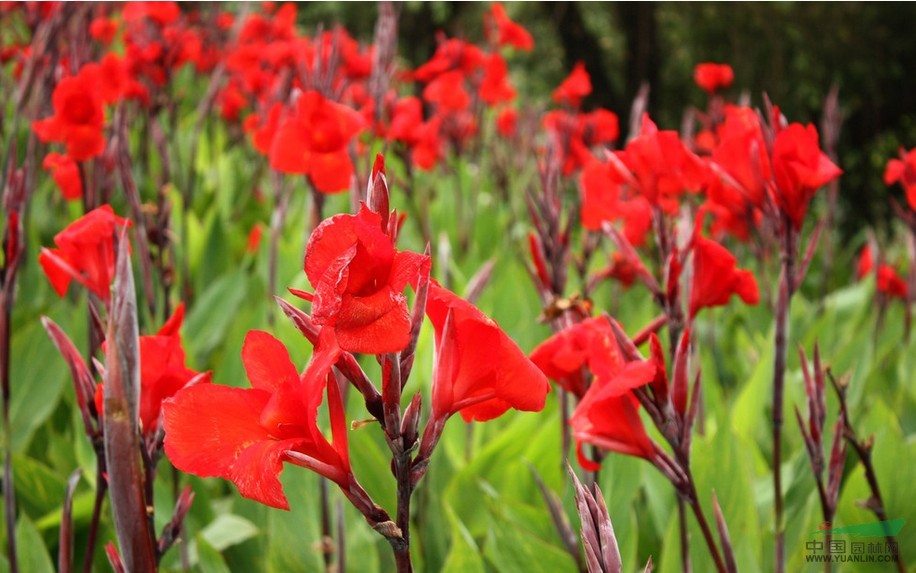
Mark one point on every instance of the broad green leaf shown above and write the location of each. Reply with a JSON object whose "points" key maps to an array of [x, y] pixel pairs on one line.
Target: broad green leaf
{"points": [[464, 555], [38, 488], [228, 530], [209, 559], [33, 555]]}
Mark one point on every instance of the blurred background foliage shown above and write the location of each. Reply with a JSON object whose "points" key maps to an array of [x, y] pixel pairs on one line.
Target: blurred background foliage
{"points": [[793, 50]]}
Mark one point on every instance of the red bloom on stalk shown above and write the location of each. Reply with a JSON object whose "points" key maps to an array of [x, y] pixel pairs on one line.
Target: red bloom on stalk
{"points": [[509, 33], [575, 87], [576, 133], [66, 175], [447, 91], [887, 280], [480, 372], [506, 122], [588, 344], [716, 277], [800, 168], [742, 153], [85, 253], [713, 77], [660, 166], [162, 371], [78, 119], [495, 87], [903, 171], [243, 434], [602, 188], [314, 141], [608, 415], [103, 29], [359, 278]]}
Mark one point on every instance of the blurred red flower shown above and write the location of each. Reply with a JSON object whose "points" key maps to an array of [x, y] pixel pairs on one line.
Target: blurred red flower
{"points": [[716, 277], [507, 32], [660, 167], [495, 87], [903, 171], [713, 77], [66, 175], [887, 280], [359, 278], [506, 122], [479, 371], [575, 87], [602, 201], [447, 91], [85, 253], [800, 168], [243, 434], [314, 140], [78, 119], [742, 153]]}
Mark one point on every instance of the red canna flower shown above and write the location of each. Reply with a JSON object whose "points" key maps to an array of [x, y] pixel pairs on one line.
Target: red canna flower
{"points": [[479, 372], [162, 372], [576, 133], [66, 175], [800, 168], [713, 77], [314, 141], [495, 87], [78, 117], [447, 91], [159, 12], [891, 283], [450, 55], [887, 280], [507, 32], [623, 269], [574, 88], [732, 211], [506, 122], [589, 344], [608, 415], [85, 253], [103, 29], [716, 277], [903, 171], [742, 153], [243, 434], [262, 132], [359, 278], [660, 167], [602, 187]]}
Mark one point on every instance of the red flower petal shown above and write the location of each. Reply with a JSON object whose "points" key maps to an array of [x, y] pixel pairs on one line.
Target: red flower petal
{"points": [[489, 373], [267, 361]]}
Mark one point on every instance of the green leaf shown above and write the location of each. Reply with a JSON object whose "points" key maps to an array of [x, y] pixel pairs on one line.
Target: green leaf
{"points": [[38, 489], [37, 376], [209, 559], [510, 548], [33, 555], [464, 555], [212, 314], [293, 536], [228, 530]]}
